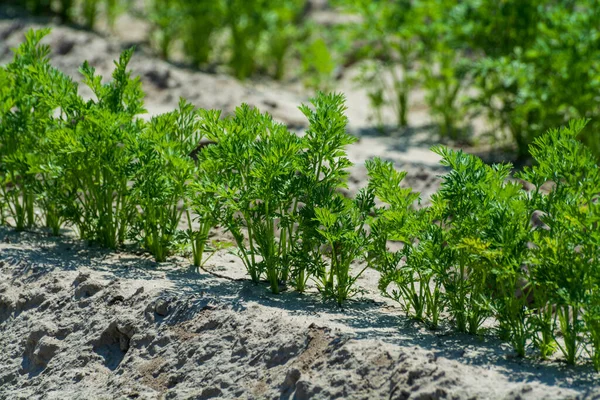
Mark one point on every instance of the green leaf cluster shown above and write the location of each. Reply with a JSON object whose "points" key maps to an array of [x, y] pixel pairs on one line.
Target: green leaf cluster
{"points": [[92, 164], [527, 65], [488, 248], [95, 165], [279, 193]]}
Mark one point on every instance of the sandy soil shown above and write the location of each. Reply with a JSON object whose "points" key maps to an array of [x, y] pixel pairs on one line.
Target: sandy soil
{"points": [[82, 323], [78, 322]]}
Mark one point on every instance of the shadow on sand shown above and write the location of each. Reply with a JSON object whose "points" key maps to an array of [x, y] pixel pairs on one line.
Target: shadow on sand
{"points": [[32, 255]]}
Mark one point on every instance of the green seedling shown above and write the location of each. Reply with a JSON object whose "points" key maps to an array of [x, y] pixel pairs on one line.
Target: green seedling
{"points": [[94, 150], [24, 119], [406, 276], [343, 226], [163, 170], [253, 171], [565, 257]]}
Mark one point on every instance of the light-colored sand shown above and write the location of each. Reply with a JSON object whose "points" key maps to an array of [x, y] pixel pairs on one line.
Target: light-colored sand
{"points": [[81, 323]]}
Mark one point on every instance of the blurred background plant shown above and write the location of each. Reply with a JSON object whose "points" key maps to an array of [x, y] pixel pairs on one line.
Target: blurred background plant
{"points": [[250, 36], [85, 12]]}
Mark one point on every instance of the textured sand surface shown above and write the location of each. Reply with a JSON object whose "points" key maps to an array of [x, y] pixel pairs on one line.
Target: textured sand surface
{"points": [[82, 323]]}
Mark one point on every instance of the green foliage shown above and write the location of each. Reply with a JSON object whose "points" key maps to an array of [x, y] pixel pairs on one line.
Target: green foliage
{"points": [[164, 16], [529, 65], [485, 248], [24, 117], [93, 143], [86, 11], [317, 63], [475, 254], [469, 197], [324, 164], [534, 64], [250, 35], [565, 258], [252, 168], [407, 275], [343, 226], [496, 28], [271, 183], [161, 176], [532, 89], [386, 37]]}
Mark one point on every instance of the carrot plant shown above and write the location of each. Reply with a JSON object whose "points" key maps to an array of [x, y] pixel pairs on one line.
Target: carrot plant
{"points": [[24, 117], [592, 323], [445, 78], [94, 150], [407, 274], [466, 197], [566, 256], [285, 26], [253, 167], [206, 212], [548, 80], [387, 39], [501, 248], [55, 196], [70, 11], [201, 19], [161, 175], [323, 170], [256, 23], [164, 16], [205, 206], [271, 183], [251, 35], [343, 226], [476, 253]]}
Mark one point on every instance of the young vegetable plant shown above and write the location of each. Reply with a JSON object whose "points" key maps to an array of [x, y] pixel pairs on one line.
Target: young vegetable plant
{"points": [[24, 118], [444, 78], [418, 281], [270, 182], [502, 249], [406, 274], [164, 168], [343, 226], [549, 79], [69, 10], [323, 168], [566, 255], [261, 28], [55, 196], [94, 148], [387, 37], [466, 198], [207, 213], [253, 171], [205, 204], [166, 17], [592, 323]]}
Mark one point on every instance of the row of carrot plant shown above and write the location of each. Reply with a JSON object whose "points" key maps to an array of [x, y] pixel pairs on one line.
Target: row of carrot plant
{"points": [[523, 251]]}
